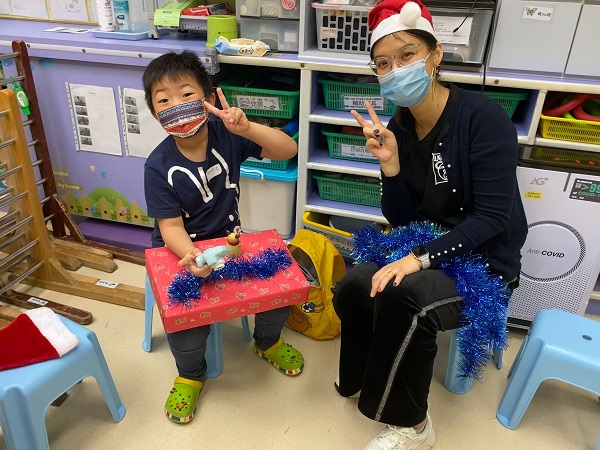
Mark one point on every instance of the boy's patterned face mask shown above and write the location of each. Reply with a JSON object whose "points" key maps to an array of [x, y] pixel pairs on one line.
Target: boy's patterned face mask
{"points": [[183, 120]]}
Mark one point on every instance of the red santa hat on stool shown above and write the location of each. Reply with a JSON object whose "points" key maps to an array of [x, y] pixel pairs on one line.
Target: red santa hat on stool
{"points": [[34, 336], [391, 16]]}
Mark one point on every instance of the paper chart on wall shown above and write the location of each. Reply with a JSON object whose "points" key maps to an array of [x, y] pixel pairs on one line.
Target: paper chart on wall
{"points": [[142, 132], [5, 7], [29, 8], [75, 10], [94, 116]]}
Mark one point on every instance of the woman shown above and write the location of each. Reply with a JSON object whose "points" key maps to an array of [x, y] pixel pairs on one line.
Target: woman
{"points": [[449, 157]]}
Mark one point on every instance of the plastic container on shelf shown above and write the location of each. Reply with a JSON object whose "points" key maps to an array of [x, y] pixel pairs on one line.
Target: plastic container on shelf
{"points": [[347, 146], [508, 98], [344, 96], [342, 28], [463, 28], [277, 103], [131, 16], [348, 224], [341, 240], [589, 160], [573, 130], [366, 191], [275, 188], [281, 35], [270, 163], [272, 9]]}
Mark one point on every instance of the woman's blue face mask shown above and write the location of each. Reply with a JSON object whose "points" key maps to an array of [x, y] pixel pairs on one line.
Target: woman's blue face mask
{"points": [[407, 85]]}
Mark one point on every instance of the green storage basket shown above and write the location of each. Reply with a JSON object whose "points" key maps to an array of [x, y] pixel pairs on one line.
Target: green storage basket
{"points": [[271, 163], [349, 191], [259, 102], [508, 100], [342, 96], [348, 147]]}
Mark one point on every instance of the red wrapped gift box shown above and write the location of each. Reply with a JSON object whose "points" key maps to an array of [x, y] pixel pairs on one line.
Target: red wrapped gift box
{"points": [[225, 299]]}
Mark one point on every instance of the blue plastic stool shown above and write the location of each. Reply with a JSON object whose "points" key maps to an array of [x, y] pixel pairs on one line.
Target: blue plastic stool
{"points": [[560, 345], [27, 392], [214, 343], [454, 382]]}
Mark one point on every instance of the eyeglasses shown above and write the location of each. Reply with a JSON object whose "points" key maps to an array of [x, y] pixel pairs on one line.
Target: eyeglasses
{"points": [[383, 64]]}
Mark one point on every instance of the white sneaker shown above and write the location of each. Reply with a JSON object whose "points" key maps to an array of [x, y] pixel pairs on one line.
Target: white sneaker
{"points": [[398, 438]]}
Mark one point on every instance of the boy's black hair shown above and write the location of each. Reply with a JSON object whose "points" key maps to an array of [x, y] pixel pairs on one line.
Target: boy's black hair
{"points": [[173, 66]]}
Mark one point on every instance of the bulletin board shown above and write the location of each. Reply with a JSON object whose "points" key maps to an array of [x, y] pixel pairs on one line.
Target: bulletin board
{"points": [[76, 11]]}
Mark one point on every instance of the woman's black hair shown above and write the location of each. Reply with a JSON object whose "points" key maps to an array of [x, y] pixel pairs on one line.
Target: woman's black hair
{"points": [[172, 66]]}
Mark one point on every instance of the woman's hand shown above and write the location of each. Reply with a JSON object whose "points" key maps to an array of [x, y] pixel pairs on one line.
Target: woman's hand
{"points": [[234, 118], [380, 141], [189, 262], [395, 271]]}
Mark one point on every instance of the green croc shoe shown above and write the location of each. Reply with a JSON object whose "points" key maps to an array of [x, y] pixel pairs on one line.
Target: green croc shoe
{"points": [[182, 401], [283, 357]]}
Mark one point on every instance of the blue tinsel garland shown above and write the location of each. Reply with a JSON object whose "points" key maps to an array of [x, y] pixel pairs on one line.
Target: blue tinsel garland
{"points": [[485, 298], [185, 287]]}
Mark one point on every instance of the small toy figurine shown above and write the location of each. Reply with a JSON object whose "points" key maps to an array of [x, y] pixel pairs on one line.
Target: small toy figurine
{"points": [[215, 257], [233, 241]]}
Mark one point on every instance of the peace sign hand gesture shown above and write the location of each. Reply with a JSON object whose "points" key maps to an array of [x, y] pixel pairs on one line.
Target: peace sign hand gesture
{"points": [[380, 141], [235, 119]]}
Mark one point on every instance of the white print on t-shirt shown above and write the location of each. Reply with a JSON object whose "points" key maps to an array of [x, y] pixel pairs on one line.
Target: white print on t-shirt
{"points": [[228, 185], [439, 171], [202, 183]]}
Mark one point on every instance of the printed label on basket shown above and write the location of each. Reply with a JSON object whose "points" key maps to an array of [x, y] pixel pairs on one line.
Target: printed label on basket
{"points": [[354, 102], [354, 150], [538, 13], [253, 102], [328, 33]]}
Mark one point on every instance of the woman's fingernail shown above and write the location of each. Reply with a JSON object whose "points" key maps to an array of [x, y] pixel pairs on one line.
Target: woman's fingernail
{"points": [[395, 284]]}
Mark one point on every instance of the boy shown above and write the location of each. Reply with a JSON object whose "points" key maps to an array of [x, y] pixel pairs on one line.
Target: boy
{"points": [[191, 186]]}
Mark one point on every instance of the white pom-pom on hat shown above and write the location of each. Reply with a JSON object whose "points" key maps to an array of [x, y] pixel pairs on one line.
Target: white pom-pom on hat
{"points": [[409, 14], [391, 16]]}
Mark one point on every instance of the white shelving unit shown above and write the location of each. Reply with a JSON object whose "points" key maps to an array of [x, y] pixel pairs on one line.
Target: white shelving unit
{"points": [[312, 157], [313, 115]]}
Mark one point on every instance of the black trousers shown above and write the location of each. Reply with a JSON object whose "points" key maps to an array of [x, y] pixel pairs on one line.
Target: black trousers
{"points": [[388, 343]]}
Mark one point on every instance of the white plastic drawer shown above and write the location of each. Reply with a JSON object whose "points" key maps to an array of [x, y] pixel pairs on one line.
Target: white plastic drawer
{"points": [[585, 53], [534, 35], [273, 9], [281, 35]]}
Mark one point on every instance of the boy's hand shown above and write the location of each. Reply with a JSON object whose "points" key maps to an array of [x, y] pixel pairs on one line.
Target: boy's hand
{"points": [[189, 262], [234, 118]]}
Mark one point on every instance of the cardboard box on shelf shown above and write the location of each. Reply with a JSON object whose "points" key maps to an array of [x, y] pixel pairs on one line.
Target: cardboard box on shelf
{"points": [[226, 299]]}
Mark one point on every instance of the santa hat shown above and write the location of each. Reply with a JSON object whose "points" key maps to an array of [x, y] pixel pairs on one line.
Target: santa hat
{"points": [[391, 16], [34, 336]]}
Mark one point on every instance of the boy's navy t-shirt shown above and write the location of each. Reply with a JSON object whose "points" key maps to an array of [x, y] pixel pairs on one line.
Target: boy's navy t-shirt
{"points": [[205, 194]]}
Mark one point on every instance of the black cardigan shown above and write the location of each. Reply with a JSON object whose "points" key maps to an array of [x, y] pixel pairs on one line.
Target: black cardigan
{"points": [[480, 153]]}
